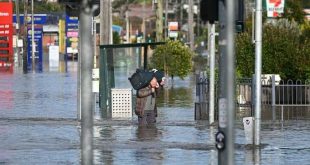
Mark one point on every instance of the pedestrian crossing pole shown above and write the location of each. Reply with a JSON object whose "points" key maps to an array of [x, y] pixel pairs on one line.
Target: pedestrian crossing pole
{"points": [[225, 136]]}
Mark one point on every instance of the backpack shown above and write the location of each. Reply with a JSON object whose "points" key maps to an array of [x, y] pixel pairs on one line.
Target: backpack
{"points": [[140, 79]]}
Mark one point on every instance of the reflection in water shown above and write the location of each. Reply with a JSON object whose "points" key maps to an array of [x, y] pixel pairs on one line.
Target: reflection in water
{"points": [[147, 133], [252, 156], [101, 155], [213, 157], [148, 155], [176, 97]]}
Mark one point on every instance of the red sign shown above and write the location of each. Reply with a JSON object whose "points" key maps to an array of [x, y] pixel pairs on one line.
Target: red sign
{"points": [[6, 36], [6, 10]]}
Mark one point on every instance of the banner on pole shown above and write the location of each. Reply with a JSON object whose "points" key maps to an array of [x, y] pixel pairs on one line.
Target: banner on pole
{"points": [[275, 8]]}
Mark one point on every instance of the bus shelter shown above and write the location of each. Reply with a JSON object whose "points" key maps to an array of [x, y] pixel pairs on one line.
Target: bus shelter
{"points": [[117, 63]]}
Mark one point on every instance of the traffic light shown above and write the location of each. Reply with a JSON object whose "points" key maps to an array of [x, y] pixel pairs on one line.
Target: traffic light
{"points": [[73, 7], [240, 17], [209, 10], [239, 26]]}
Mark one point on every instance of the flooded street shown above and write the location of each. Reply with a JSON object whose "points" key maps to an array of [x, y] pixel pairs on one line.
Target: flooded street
{"points": [[38, 125]]}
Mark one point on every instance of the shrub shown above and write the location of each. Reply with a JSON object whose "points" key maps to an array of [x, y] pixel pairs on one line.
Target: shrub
{"points": [[174, 58]]}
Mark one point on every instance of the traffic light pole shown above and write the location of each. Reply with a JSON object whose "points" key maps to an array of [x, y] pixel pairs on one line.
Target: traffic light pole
{"points": [[86, 62], [225, 137], [211, 45]]}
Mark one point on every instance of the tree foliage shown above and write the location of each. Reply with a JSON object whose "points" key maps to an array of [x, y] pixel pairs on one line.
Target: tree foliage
{"points": [[245, 53], [306, 3], [285, 51], [42, 7], [116, 38], [294, 11], [174, 58], [285, 48]]}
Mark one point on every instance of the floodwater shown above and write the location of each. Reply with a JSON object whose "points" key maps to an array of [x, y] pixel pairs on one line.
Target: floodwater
{"points": [[38, 126]]}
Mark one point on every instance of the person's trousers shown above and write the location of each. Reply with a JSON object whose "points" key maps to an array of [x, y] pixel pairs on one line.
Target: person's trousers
{"points": [[148, 118]]}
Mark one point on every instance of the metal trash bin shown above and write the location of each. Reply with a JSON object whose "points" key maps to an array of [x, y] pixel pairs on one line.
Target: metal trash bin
{"points": [[121, 103]]}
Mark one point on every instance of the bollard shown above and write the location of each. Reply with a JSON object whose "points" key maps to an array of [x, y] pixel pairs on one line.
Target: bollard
{"points": [[248, 124]]}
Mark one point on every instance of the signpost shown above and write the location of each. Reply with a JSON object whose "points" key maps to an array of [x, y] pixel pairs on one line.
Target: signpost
{"points": [[38, 20], [38, 50], [173, 28], [72, 35]]}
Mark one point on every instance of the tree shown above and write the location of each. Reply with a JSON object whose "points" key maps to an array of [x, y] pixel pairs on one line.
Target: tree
{"points": [[245, 54], [116, 38], [306, 3], [174, 58], [284, 51], [294, 11]]}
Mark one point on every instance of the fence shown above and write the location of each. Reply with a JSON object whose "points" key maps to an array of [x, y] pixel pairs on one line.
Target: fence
{"points": [[275, 94]]}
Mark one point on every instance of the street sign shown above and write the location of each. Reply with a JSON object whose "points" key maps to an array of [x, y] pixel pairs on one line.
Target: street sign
{"points": [[38, 35], [6, 36], [275, 8]]}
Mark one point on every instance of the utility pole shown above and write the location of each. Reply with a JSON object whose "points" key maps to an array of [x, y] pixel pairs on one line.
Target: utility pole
{"points": [[258, 69], [86, 62], [198, 20], [25, 37], [105, 22], [127, 24], [166, 19], [143, 23], [159, 21], [32, 37], [225, 136], [181, 13], [191, 24], [17, 63]]}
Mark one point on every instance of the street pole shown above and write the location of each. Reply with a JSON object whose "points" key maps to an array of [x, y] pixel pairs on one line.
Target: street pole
{"points": [[258, 70], [143, 23], [225, 136], [17, 63], [159, 21], [105, 22], [166, 19], [95, 41], [110, 22], [191, 24], [127, 28], [198, 20], [211, 42], [25, 37], [86, 62], [32, 38], [181, 13]]}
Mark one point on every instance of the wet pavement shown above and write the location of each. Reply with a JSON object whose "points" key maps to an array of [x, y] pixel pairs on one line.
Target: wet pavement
{"points": [[38, 126]]}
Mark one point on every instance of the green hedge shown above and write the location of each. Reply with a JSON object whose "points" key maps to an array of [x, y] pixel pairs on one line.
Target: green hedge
{"points": [[285, 51]]}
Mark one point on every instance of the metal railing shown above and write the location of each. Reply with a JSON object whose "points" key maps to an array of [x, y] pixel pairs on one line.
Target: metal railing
{"points": [[281, 94]]}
